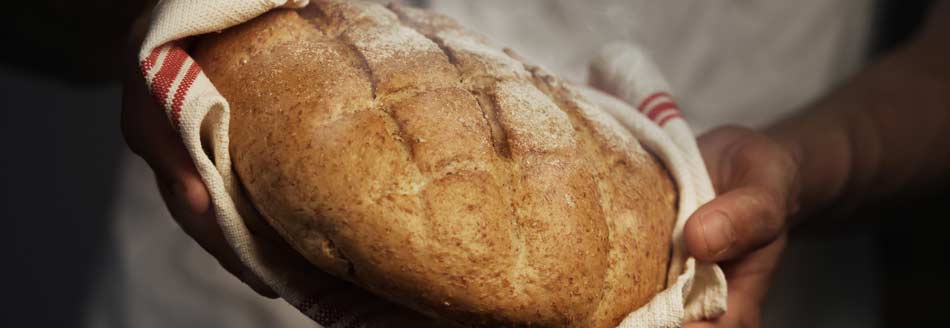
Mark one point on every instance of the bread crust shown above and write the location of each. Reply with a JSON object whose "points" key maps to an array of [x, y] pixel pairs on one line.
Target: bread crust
{"points": [[396, 150]]}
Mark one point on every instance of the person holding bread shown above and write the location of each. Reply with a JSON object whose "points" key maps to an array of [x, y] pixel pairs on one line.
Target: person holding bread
{"points": [[855, 146]]}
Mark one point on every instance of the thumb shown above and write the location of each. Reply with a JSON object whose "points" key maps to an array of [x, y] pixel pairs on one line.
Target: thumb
{"points": [[734, 223], [757, 182]]}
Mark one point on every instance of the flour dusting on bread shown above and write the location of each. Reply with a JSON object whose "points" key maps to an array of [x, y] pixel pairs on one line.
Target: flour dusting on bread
{"points": [[397, 150]]}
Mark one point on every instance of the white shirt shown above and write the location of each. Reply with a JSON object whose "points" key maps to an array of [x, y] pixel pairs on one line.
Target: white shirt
{"points": [[728, 61]]}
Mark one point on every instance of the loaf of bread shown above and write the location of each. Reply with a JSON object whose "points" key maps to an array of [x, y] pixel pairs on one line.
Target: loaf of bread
{"points": [[396, 150]]}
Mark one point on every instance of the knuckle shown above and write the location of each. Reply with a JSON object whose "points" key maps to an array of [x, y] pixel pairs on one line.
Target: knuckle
{"points": [[755, 147], [730, 132], [774, 170], [772, 209], [766, 215], [790, 171], [772, 204], [783, 158]]}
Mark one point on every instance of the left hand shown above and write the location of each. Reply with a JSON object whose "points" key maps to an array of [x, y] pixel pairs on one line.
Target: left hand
{"points": [[744, 227]]}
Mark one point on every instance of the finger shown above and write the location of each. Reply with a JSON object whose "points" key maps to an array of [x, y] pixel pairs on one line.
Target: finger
{"points": [[749, 279], [735, 156], [759, 181], [742, 312], [717, 149], [734, 223], [750, 276], [149, 134], [187, 200]]}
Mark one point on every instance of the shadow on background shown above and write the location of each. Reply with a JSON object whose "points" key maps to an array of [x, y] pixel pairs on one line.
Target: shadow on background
{"points": [[61, 144]]}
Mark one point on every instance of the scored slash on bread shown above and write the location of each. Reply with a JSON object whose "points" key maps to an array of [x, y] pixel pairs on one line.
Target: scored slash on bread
{"points": [[394, 149]]}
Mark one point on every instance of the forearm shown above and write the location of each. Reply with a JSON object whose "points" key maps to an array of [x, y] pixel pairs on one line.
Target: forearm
{"points": [[883, 133]]}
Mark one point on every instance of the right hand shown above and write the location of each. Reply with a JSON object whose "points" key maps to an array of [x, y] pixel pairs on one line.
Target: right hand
{"points": [[744, 228], [149, 134]]}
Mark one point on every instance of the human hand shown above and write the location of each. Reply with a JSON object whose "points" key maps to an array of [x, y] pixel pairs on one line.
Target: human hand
{"points": [[149, 134], [744, 227]]}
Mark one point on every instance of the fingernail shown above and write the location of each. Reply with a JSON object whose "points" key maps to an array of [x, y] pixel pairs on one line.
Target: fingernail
{"points": [[718, 232]]}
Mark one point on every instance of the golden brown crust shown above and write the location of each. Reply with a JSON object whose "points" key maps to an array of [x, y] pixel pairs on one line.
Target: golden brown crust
{"points": [[396, 150]]}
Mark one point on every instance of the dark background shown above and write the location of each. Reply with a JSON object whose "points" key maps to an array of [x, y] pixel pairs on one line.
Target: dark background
{"points": [[61, 142]]}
